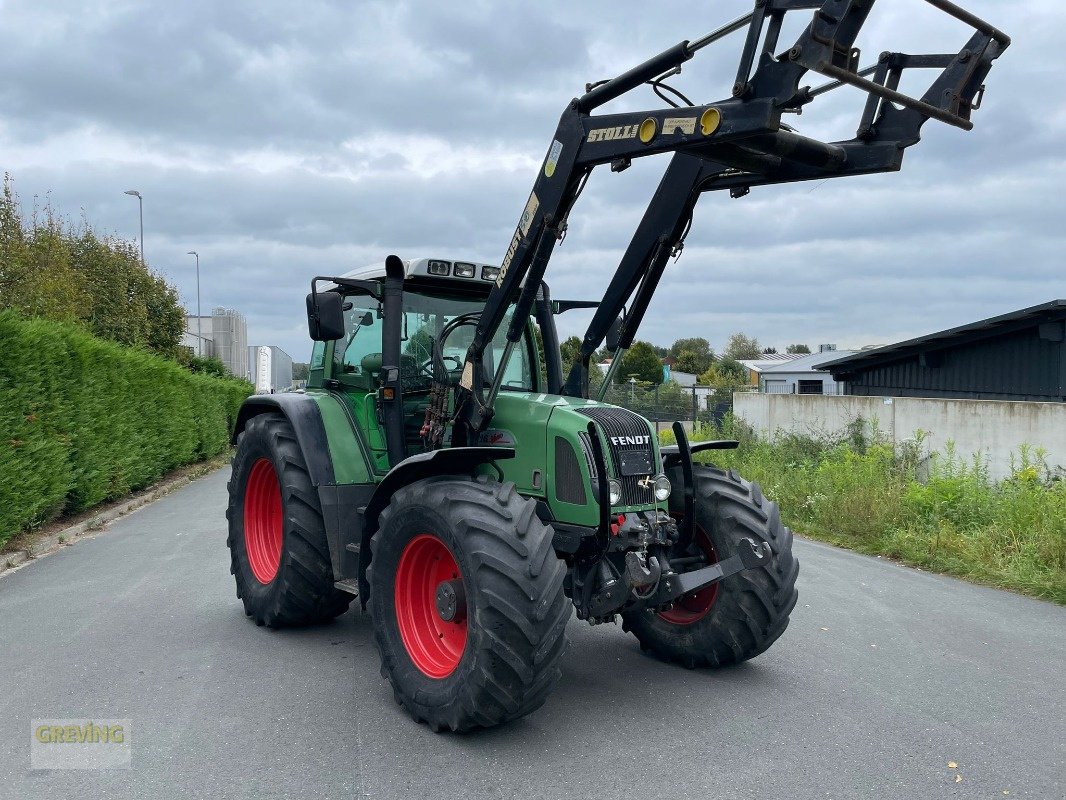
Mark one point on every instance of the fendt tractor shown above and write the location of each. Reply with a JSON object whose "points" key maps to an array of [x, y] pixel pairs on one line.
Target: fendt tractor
{"points": [[470, 492]]}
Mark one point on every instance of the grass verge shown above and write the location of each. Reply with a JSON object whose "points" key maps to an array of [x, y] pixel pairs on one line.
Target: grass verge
{"points": [[936, 511]]}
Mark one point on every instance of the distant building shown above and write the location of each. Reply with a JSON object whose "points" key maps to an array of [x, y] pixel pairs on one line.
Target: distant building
{"points": [[1016, 356], [269, 368], [223, 335], [801, 375], [755, 366], [690, 383]]}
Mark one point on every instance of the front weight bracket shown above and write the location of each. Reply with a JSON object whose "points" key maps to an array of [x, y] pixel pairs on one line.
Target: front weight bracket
{"points": [[749, 555]]}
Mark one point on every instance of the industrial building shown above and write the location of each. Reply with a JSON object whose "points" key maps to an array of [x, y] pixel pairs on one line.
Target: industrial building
{"points": [[801, 375], [223, 335], [269, 368], [1016, 356]]}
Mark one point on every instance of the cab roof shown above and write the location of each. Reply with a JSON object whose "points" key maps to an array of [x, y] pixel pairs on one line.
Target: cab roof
{"points": [[469, 272]]}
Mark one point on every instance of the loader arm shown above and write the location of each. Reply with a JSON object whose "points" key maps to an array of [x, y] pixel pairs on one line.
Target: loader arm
{"points": [[735, 144]]}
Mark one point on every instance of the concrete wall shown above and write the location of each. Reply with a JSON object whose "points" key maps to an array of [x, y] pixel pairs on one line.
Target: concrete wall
{"points": [[992, 428]]}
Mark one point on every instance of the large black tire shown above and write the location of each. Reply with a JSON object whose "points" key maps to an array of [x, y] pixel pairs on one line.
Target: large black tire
{"points": [[747, 612], [505, 660], [295, 582]]}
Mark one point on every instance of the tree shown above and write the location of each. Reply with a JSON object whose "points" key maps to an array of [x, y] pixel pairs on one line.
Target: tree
{"points": [[300, 371], [742, 347], [798, 349], [693, 355], [769, 351], [640, 362], [57, 271], [209, 366], [570, 350], [726, 373]]}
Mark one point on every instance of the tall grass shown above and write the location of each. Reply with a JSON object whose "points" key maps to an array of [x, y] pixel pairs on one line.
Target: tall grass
{"points": [[941, 511]]}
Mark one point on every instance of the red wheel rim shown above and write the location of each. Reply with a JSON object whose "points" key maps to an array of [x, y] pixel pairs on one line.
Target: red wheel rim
{"points": [[263, 521], [693, 607], [434, 645]]}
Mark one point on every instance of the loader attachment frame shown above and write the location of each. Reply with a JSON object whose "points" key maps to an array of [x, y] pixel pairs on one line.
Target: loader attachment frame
{"points": [[735, 144]]}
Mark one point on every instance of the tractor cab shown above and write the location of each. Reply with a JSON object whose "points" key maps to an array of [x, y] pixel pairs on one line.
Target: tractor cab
{"points": [[441, 303]]}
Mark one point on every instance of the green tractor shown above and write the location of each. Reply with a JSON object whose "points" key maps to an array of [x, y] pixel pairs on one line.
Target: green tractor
{"points": [[470, 492]]}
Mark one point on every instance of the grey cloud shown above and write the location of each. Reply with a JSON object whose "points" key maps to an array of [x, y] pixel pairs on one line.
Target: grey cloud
{"points": [[283, 142]]}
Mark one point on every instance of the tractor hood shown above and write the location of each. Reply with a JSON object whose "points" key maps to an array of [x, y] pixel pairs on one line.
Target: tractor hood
{"points": [[551, 433]]}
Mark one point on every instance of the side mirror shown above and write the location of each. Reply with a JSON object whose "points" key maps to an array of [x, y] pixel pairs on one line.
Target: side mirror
{"points": [[325, 316], [614, 334]]}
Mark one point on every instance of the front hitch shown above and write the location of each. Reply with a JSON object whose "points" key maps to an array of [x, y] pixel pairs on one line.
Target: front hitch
{"points": [[749, 555]]}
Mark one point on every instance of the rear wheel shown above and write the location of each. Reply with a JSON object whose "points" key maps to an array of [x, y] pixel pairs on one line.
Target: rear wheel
{"points": [[279, 555], [466, 594], [740, 617]]}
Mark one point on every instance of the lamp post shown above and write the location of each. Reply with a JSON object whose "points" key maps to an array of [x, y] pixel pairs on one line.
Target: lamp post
{"points": [[199, 336], [140, 208]]}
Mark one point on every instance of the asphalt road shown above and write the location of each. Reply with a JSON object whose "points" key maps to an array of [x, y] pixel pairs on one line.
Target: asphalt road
{"points": [[884, 677]]}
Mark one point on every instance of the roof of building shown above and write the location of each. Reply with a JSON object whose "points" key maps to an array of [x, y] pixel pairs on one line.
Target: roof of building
{"points": [[767, 360], [984, 329], [684, 378], [806, 363]]}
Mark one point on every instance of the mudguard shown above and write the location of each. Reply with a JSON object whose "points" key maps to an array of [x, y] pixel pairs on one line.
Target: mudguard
{"points": [[302, 413]]}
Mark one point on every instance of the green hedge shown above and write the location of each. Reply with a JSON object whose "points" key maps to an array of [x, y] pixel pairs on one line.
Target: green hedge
{"points": [[83, 420]]}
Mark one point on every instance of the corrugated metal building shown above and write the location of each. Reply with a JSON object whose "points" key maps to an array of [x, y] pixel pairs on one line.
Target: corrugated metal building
{"points": [[1017, 356], [269, 368], [801, 376], [223, 335]]}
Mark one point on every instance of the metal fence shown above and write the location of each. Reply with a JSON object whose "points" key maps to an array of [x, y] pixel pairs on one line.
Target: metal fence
{"points": [[668, 403], [814, 387]]}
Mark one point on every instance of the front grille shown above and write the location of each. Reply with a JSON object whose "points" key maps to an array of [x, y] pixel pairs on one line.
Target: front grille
{"points": [[569, 485], [621, 422]]}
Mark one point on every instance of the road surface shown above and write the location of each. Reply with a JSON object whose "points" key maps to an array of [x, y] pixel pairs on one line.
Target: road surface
{"points": [[884, 678]]}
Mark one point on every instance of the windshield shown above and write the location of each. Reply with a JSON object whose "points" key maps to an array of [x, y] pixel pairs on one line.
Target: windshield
{"points": [[425, 314]]}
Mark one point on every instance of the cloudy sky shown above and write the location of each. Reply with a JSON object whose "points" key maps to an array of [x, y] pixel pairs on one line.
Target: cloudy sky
{"points": [[284, 140]]}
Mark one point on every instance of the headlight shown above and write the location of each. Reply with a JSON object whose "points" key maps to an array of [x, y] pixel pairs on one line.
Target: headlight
{"points": [[614, 489], [662, 487]]}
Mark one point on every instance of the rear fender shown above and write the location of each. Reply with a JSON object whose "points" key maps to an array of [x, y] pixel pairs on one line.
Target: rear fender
{"points": [[302, 413], [338, 503]]}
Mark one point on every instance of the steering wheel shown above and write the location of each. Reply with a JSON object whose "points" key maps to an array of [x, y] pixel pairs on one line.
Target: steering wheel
{"points": [[427, 366]]}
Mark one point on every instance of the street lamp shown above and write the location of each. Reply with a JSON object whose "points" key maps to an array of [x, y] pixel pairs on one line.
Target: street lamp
{"points": [[140, 206], [199, 336]]}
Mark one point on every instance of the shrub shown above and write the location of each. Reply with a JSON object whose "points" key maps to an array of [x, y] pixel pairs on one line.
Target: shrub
{"points": [[84, 420], [945, 514]]}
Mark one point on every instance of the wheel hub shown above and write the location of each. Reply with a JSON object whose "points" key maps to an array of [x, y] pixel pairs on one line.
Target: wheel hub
{"points": [[451, 601]]}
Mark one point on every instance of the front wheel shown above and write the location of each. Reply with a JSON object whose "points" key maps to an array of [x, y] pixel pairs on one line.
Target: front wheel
{"points": [[740, 617], [466, 595]]}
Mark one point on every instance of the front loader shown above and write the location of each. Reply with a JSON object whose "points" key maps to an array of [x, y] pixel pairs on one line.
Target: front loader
{"points": [[471, 496]]}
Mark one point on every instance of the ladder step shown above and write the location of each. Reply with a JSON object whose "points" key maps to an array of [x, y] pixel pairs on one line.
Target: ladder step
{"points": [[349, 585]]}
